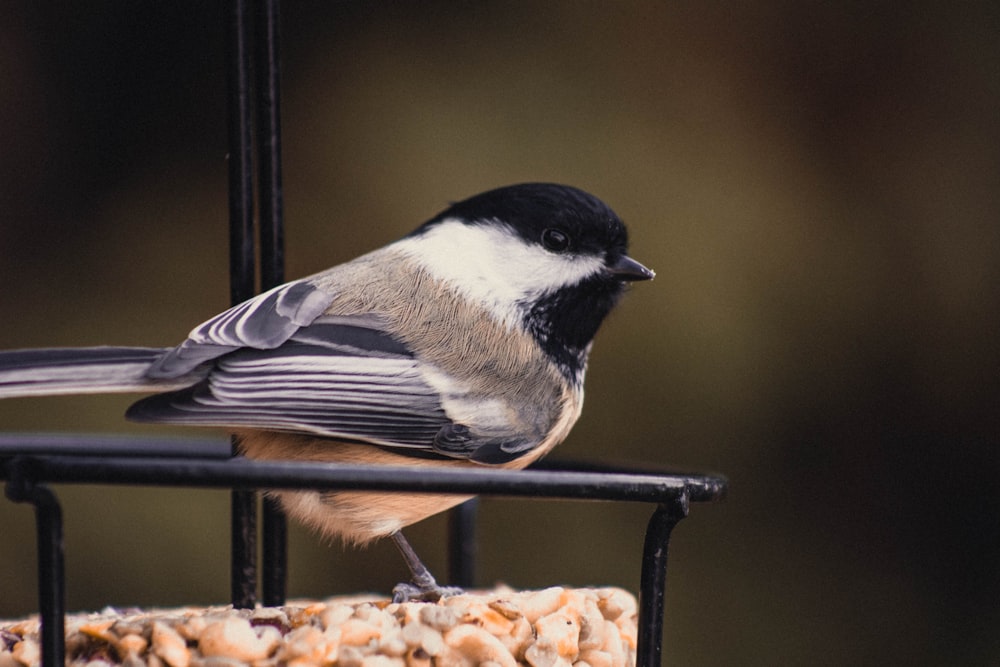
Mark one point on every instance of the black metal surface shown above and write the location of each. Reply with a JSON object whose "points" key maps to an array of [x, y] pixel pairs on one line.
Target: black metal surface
{"points": [[652, 586], [462, 544], [241, 247], [161, 469], [243, 536], [267, 50], [45, 444], [51, 565], [274, 547], [243, 578], [244, 473]]}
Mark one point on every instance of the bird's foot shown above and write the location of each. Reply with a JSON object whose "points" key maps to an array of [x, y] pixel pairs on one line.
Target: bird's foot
{"points": [[412, 592], [422, 587]]}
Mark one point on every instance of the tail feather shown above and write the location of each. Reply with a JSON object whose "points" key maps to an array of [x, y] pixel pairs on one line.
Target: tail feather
{"points": [[86, 370]]}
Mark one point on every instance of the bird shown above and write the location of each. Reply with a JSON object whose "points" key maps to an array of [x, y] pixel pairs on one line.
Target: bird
{"points": [[464, 343]]}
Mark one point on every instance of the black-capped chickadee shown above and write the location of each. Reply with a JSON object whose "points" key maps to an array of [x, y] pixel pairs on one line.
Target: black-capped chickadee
{"points": [[463, 343]]}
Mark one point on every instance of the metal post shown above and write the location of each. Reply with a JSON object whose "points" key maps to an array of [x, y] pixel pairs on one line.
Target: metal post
{"points": [[654, 575], [268, 95], [462, 544], [241, 269], [51, 562], [272, 250]]}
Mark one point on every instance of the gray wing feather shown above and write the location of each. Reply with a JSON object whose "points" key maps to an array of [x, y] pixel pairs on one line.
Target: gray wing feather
{"points": [[264, 322], [339, 377], [95, 370], [278, 363]]}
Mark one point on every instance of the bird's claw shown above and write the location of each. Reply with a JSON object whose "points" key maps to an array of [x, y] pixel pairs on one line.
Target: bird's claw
{"points": [[409, 592]]}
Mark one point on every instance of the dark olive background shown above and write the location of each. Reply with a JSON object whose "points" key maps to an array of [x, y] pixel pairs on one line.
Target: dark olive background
{"points": [[816, 185]]}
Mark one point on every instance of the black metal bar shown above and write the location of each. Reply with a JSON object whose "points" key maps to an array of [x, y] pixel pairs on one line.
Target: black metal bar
{"points": [[51, 575], [245, 473], [41, 444], [462, 544], [652, 588], [274, 566], [272, 250], [241, 272], [241, 246], [51, 565], [268, 95]]}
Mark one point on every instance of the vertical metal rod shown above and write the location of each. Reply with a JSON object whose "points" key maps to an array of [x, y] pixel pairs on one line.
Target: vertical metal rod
{"points": [[51, 562], [267, 59], [241, 245], [462, 544], [51, 575], [268, 93], [243, 575], [274, 567], [653, 580]]}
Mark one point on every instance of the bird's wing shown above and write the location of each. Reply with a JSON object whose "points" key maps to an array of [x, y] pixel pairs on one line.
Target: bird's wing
{"points": [[264, 322], [339, 377], [277, 363]]}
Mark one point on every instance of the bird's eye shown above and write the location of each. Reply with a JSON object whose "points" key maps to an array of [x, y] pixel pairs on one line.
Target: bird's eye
{"points": [[555, 240]]}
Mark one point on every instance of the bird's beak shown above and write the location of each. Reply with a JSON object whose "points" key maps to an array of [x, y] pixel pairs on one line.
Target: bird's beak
{"points": [[626, 268]]}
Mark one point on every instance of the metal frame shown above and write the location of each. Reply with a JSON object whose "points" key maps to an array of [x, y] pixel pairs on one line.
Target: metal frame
{"points": [[29, 463]]}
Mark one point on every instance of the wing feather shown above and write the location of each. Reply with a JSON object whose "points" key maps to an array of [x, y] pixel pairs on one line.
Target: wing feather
{"points": [[264, 323], [335, 378]]}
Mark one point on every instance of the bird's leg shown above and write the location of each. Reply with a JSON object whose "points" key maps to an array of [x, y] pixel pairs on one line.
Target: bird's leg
{"points": [[422, 586]]}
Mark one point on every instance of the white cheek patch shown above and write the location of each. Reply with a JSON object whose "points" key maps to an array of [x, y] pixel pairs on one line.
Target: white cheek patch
{"points": [[490, 264]]}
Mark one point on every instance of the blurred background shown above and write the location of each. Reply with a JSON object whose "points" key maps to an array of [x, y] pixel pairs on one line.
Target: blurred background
{"points": [[816, 185]]}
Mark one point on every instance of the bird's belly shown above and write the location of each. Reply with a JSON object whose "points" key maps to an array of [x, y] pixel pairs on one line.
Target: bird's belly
{"points": [[356, 517]]}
